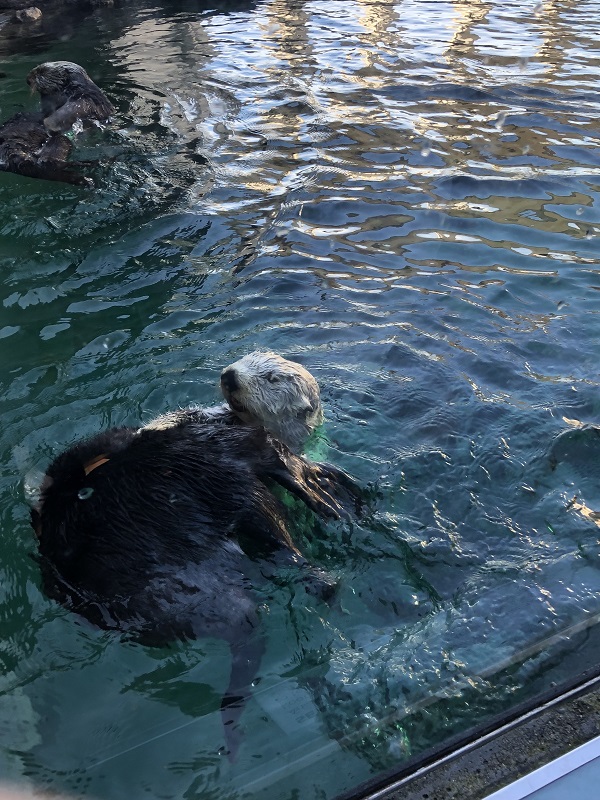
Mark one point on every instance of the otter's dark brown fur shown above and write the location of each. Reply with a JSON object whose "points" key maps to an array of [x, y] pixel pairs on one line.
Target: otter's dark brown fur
{"points": [[68, 94], [157, 532], [26, 148], [33, 144]]}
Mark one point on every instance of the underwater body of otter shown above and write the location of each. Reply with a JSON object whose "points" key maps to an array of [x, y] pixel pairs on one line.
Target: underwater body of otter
{"points": [[403, 197]]}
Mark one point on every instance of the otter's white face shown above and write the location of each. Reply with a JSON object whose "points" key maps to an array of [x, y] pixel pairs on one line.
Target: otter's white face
{"points": [[263, 388]]}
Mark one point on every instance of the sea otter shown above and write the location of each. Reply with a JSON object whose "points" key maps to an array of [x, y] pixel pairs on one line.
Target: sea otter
{"points": [[262, 389], [68, 94], [27, 149], [162, 531], [34, 144]]}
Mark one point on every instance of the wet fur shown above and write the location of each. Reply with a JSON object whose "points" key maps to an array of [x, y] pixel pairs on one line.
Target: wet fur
{"points": [[27, 149], [266, 389], [68, 94], [142, 531], [33, 144]]}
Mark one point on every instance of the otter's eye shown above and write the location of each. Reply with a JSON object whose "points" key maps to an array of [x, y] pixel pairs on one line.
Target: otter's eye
{"points": [[272, 377]]}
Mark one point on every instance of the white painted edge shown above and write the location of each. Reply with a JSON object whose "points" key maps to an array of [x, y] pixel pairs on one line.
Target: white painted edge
{"points": [[569, 762]]}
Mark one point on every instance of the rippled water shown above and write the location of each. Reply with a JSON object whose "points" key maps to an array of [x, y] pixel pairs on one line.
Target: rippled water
{"points": [[404, 197]]}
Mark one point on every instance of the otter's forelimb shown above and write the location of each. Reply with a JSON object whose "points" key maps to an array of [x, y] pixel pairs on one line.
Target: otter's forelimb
{"points": [[321, 486]]}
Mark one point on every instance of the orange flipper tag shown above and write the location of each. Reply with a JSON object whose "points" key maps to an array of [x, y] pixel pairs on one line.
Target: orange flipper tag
{"points": [[95, 462]]}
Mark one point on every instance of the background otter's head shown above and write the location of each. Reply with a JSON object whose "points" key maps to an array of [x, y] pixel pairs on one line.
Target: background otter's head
{"points": [[57, 76], [263, 388], [67, 86]]}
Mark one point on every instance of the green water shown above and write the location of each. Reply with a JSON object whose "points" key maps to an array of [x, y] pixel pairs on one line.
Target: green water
{"points": [[405, 198]]}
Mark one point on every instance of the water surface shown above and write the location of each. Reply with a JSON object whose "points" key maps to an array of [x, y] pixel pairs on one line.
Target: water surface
{"points": [[402, 196]]}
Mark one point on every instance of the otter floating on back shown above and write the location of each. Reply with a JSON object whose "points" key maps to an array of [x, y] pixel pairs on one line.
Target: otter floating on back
{"points": [[33, 144], [154, 531]]}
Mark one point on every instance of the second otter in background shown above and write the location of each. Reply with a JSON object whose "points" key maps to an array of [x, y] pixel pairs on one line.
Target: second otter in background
{"points": [[68, 94], [34, 144]]}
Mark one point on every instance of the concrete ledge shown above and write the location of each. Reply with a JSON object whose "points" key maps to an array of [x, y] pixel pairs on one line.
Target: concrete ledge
{"points": [[474, 769]]}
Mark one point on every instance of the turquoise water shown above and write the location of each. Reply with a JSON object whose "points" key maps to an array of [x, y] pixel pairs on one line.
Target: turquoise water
{"points": [[405, 198]]}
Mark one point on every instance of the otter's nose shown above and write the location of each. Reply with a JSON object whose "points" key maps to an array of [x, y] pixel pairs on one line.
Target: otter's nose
{"points": [[229, 380]]}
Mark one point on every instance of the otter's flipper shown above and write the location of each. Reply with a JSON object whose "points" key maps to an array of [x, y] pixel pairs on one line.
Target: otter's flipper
{"points": [[322, 487], [347, 490]]}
